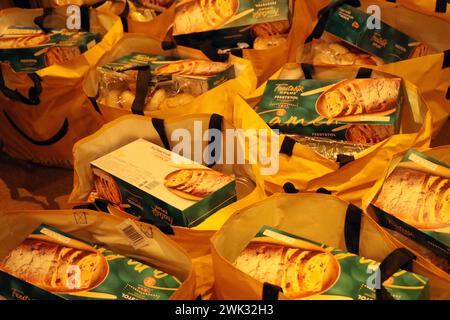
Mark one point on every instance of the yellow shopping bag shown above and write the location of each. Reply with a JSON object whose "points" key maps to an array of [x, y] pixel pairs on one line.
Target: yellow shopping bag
{"points": [[99, 228], [439, 153], [423, 20], [242, 84], [320, 218], [44, 113], [158, 130], [308, 170]]}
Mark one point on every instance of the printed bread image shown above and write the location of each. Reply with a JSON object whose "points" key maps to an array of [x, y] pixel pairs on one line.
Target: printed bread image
{"points": [[262, 43], [271, 28], [368, 133], [192, 67], [55, 267], [203, 15], [106, 187], [58, 55], [301, 271], [359, 97], [195, 184], [418, 198]]}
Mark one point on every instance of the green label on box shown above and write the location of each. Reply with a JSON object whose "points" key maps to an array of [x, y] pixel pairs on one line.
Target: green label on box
{"points": [[200, 16], [425, 217], [351, 25], [284, 107], [137, 59], [110, 275], [357, 277], [61, 43]]}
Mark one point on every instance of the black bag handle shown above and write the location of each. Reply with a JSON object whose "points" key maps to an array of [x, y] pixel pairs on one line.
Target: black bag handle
{"points": [[287, 146], [344, 159], [446, 59], [270, 291], [215, 123], [400, 258], [289, 187], [364, 73], [158, 124], [441, 6], [33, 93], [324, 14], [168, 43], [61, 133], [142, 85], [352, 228], [308, 70]]}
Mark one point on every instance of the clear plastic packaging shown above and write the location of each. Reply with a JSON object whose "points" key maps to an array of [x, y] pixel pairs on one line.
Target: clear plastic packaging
{"points": [[330, 149], [172, 82]]}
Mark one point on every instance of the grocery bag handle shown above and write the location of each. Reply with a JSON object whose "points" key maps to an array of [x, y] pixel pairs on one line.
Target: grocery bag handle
{"points": [[215, 122], [33, 93], [352, 228], [344, 159], [270, 292], [308, 71], [446, 59], [61, 133], [84, 18], [287, 146], [142, 86], [400, 258], [324, 14], [353, 217]]}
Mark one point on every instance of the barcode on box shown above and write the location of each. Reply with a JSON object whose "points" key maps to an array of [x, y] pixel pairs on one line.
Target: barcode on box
{"points": [[132, 232], [149, 185]]}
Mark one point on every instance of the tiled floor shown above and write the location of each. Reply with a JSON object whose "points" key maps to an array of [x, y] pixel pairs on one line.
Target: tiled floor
{"points": [[28, 186]]}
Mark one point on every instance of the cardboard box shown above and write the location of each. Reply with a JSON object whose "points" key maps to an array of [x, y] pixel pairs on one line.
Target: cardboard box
{"points": [[152, 183], [50, 264], [29, 50], [200, 16], [302, 107], [351, 25], [311, 270], [414, 200]]}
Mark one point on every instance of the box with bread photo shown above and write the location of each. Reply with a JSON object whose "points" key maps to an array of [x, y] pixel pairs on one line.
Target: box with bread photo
{"points": [[29, 49], [51, 264], [173, 81], [414, 200], [360, 111], [155, 184], [349, 39], [194, 16], [305, 269]]}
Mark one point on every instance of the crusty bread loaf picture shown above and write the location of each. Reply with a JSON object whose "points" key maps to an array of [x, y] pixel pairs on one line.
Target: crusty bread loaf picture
{"points": [[106, 187], [195, 184], [368, 133], [300, 272], [57, 55], [418, 198], [359, 97], [192, 67], [203, 15], [55, 267]]}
